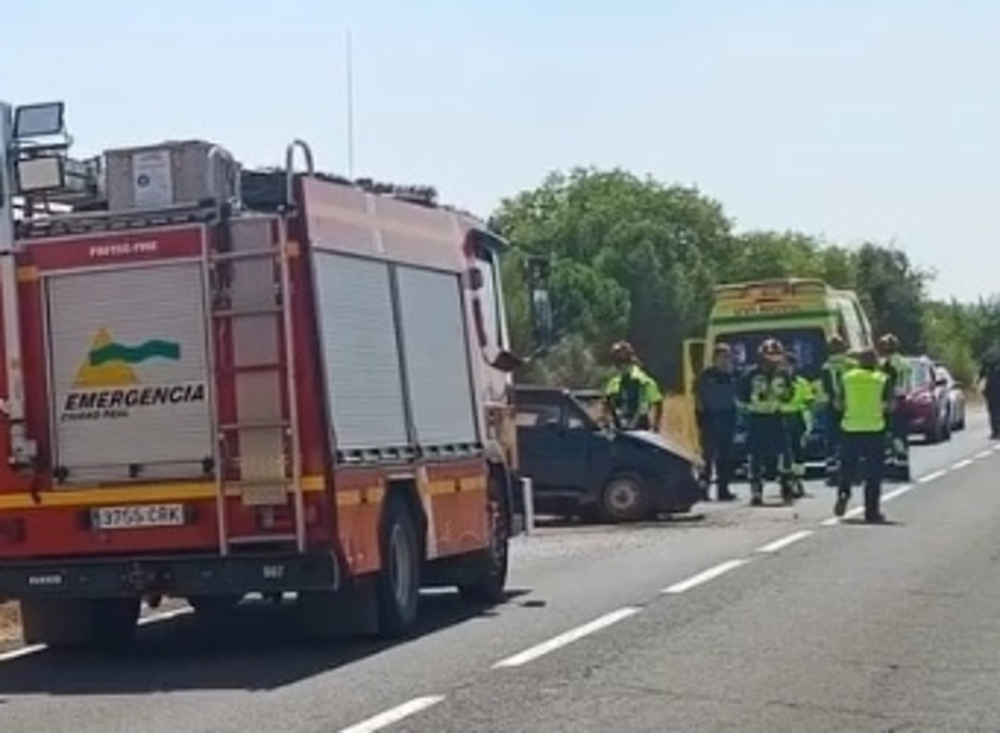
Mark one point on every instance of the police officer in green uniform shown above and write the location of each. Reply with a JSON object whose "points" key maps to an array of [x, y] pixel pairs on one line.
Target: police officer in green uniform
{"points": [[898, 370], [827, 393], [764, 389], [633, 395], [797, 414], [866, 402]]}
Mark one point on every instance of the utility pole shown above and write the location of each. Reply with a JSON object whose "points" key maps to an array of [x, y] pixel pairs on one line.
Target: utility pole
{"points": [[349, 66]]}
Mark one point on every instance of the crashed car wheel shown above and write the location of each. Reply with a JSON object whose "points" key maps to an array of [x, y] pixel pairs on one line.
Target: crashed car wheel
{"points": [[625, 498]]}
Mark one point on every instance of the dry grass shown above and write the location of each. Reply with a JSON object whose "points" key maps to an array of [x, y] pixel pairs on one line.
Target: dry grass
{"points": [[678, 420], [10, 622]]}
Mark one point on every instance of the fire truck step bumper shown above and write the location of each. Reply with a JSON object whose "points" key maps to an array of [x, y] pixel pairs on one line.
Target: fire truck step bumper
{"points": [[178, 576]]}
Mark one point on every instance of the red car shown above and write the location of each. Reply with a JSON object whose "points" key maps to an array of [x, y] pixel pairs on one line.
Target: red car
{"points": [[927, 403]]}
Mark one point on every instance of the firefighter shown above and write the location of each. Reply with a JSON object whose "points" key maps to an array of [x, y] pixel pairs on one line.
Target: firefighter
{"points": [[715, 411], [633, 396], [797, 414], [866, 401], [827, 391], [898, 371], [765, 387]]}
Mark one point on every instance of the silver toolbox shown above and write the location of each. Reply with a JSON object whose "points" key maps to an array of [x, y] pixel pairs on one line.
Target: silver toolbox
{"points": [[168, 174]]}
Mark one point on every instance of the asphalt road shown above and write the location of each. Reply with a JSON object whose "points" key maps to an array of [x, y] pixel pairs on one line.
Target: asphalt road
{"points": [[771, 619]]}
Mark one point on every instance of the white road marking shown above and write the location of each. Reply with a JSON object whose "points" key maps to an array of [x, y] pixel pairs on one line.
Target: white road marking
{"points": [[933, 476], [23, 651], [165, 616], [961, 464], [849, 514], [398, 713], [705, 576], [557, 642], [895, 493], [785, 541], [984, 453]]}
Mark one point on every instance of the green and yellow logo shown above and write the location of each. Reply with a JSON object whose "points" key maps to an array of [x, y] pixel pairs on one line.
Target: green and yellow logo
{"points": [[107, 385]]}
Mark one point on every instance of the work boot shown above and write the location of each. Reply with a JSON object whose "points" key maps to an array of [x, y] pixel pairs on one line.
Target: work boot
{"points": [[756, 494], [787, 491], [840, 507], [874, 517], [725, 494]]}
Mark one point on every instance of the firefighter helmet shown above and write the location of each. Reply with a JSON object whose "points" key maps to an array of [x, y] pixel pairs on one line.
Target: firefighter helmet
{"points": [[622, 352], [771, 349]]}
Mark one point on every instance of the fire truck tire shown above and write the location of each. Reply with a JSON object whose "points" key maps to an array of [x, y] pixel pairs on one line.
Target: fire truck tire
{"points": [[397, 586], [488, 577]]}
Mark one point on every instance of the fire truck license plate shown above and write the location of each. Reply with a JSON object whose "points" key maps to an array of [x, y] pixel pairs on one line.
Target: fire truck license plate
{"points": [[127, 517]]}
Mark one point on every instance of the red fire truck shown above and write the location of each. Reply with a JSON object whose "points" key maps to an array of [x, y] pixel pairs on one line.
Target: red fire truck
{"points": [[222, 382]]}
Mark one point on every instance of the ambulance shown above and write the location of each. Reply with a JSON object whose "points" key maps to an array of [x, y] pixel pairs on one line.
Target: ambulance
{"points": [[802, 313]]}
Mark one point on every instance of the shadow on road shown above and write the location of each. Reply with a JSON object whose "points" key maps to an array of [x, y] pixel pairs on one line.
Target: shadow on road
{"points": [[259, 649], [566, 522], [859, 522]]}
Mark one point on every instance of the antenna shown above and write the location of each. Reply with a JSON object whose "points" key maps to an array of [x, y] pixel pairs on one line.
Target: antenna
{"points": [[350, 107]]}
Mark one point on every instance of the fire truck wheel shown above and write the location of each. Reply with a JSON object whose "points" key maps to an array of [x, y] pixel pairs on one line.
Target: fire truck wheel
{"points": [[624, 498], [398, 584], [489, 575]]}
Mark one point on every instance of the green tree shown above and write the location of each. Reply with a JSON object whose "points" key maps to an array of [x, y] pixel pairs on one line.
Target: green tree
{"points": [[637, 258], [895, 292], [633, 259]]}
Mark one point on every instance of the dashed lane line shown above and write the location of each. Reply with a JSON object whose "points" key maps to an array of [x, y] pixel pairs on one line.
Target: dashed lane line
{"points": [[785, 541], [393, 716], [896, 493], [557, 642], [539, 650], [703, 577]]}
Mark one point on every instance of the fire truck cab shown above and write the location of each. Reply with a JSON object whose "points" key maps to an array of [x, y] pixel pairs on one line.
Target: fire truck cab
{"points": [[221, 382]]}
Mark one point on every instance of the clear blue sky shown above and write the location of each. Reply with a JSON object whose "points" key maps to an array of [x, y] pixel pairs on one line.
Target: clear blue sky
{"points": [[845, 118]]}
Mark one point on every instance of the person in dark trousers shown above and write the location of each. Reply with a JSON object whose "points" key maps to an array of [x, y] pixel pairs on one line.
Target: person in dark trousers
{"points": [[715, 410], [797, 414], [898, 369], [989, 377], [866, 401], [764, 389], [827, 392]]}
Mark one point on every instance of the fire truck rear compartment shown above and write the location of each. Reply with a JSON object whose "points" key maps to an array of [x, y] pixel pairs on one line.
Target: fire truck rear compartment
{"points": [[129, 374]]}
